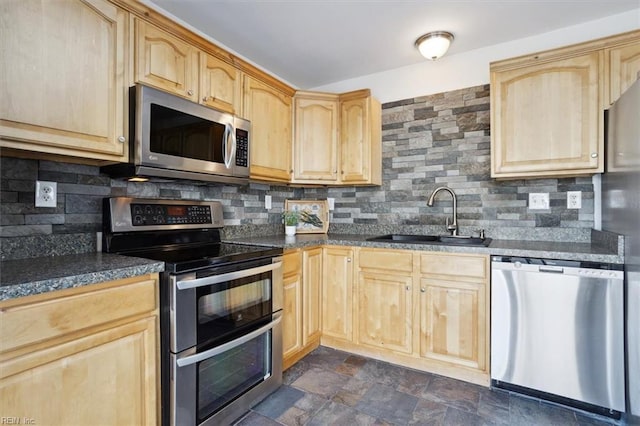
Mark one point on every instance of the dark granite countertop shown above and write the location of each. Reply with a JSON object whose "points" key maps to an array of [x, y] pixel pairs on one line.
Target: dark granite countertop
{"points": [[40, 275], [25, 277], [590, 252]]}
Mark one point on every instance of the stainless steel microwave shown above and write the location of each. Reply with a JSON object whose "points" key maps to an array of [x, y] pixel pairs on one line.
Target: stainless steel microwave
{"points": [[174, 138]]}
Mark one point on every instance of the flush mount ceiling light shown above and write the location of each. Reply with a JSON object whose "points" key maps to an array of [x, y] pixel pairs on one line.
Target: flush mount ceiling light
{"points": [[435, 44]]}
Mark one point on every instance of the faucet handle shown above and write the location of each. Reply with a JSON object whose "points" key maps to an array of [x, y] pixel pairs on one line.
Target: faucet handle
{"points": [[451, 228], [481, 233]]}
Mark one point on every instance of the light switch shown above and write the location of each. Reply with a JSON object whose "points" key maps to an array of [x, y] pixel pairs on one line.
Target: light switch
{"points": [[267, 202]]}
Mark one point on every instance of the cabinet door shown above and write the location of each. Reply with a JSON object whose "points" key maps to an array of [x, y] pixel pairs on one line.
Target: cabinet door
{"points": [[453, 322], [292, 315], [220, 84], [63, 77], [315, 144], [165, 62], [270, 114], [360, 139], [623, 66], [385, 306], [106, 378], [337, 293], [312, 294], [547, 118]]}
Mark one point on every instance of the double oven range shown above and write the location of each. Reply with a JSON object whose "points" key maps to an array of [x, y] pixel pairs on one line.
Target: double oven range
{"points": [[220, 307]]}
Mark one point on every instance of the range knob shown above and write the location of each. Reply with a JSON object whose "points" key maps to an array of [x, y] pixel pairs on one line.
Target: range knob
{"points": [[137, 220]]}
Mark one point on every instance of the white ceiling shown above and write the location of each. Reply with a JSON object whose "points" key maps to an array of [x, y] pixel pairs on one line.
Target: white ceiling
{"points": [[310, 43]]}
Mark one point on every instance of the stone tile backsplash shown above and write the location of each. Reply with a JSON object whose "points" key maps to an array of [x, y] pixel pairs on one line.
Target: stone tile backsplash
{"points": [[431, 141]]}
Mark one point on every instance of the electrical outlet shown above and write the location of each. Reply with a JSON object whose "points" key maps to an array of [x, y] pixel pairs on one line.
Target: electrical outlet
{"points": [[332, 203], [267, 202], [46, 193], [574, 199], [539, 201]]}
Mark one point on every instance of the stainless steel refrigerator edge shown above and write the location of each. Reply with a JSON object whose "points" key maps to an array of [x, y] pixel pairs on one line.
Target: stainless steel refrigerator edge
{"points": [[621, 214]]}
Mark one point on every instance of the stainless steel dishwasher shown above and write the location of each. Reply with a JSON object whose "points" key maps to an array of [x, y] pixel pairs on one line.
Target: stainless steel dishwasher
{"points": [[557, 331]]}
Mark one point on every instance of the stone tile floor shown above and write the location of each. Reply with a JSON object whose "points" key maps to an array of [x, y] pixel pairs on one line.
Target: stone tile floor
{"points": [[330, 387]]}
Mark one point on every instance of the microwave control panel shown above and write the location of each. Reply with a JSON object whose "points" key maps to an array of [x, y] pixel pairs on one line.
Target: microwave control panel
{"points": [[242, 148]]}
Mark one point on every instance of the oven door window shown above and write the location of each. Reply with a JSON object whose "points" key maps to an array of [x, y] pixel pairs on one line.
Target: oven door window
{"points": [[228, 308], [224, 377]]}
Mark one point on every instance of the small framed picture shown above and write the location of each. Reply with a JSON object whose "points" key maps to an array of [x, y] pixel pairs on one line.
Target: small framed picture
{"points": [[314, 215]]}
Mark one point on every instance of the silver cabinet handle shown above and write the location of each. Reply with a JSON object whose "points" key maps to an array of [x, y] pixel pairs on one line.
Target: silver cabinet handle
{"points": [[192, 359], [216, 279], [408, 288], [594, 155], [422, 289], [348, 259], [190, 92], [121, 139]]}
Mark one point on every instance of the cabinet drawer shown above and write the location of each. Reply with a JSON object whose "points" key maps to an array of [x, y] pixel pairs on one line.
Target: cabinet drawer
{"points": [[388, 260], [33, 322], [455, 266], [292, 263]]}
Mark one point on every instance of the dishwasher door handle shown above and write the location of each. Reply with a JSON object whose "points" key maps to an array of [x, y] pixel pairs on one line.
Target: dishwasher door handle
{"points": [[552, 269]]}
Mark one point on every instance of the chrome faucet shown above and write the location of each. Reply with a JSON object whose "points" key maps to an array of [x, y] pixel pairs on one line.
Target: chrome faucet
{"points": [[453, 227]]}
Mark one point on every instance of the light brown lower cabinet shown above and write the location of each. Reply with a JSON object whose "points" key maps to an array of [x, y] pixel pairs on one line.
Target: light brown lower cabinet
{"points": [[454, 293], [83, 356], [424, 310], [301, 319]]}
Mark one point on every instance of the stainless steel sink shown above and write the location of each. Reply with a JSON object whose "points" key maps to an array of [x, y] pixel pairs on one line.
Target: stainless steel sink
{"points": [[432, 239]]}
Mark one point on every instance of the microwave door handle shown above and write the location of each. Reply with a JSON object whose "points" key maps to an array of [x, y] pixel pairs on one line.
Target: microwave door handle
{"points": [[192, 359], [225, 152], [233, 145], [217, 279], [228, 158]]}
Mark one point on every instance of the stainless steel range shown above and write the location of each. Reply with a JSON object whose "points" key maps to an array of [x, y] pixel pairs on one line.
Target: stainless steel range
{"points": [[221, 307]]}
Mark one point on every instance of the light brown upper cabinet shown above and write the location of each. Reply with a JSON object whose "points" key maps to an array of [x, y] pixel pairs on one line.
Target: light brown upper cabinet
{"points": [[315, 148], [337, 139], [623, 68], [269, 111], [361, 139], [220, 84], [166, 62], [546, 117], [64, 78], [547, 108]]}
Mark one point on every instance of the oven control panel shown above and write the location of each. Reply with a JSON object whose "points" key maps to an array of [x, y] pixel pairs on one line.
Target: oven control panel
{"points": [[125, 214], [159, 214]]}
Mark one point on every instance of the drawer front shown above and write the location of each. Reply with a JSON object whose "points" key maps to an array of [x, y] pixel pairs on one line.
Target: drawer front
{"points": [[455, 265], [41, 320], [292, 263], [387, 260]]}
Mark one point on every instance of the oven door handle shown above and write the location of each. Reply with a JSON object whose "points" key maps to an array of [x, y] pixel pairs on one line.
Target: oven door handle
{"points": [[216, 279], [192, 359]]}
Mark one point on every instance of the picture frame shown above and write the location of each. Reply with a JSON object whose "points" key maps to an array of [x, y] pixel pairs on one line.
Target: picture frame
{"points": [[314, 215]]}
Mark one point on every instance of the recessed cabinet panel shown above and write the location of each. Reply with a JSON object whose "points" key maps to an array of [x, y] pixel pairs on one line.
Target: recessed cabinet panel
{"points": [[547, 118], [337, 293], [385, 304], [623, 67], [316, 138], [312, 294], [452, 326], [165, 62], [360, 135], [220, 84], [63, 78], [270, 114]]}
